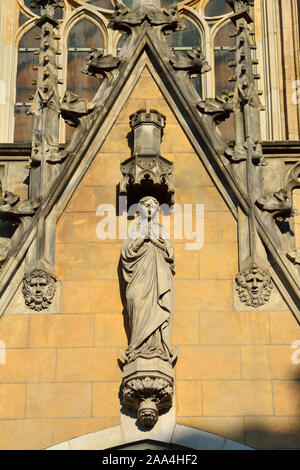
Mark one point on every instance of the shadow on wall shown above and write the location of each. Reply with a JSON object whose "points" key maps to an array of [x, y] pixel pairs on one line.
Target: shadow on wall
{"points": [[282, 430]]}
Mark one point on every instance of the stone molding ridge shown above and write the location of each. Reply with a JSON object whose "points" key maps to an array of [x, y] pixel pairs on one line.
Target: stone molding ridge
{"points": [[185, 436]]}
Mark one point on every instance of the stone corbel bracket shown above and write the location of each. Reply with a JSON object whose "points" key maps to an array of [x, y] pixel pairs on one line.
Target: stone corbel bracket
{"points": [[214, 111], [149, 396], [188, 66], [148, 388]]}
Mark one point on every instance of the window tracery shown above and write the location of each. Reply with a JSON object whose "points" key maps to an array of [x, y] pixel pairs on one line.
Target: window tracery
{"points": [[206, 26]]}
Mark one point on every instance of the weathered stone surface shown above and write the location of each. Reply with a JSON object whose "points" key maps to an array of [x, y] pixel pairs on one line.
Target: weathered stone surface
{"points": [[72, 364], [59, 400], [12, 400], [237, 398], [213, 362], [26, 434], [61, 330], [28, 365]]}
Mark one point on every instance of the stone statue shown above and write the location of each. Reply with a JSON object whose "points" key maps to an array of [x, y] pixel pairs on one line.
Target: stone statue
{"points": [[148, 268]]}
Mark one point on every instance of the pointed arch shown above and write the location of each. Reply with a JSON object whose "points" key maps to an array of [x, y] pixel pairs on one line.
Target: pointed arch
{"points": [[115, 438]]}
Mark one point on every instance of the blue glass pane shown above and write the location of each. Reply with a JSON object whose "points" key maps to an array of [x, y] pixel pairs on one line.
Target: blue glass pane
{"points": [[22, 18], [164, 3], [222, 71], [102, 4], [217, 8], [27, 3], [85, 34], [25, 73], [24, 87], [223, 42], [23, 125], [189, 37]]}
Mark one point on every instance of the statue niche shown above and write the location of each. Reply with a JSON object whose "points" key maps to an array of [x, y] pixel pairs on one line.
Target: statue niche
{"points": [[147, 261]]}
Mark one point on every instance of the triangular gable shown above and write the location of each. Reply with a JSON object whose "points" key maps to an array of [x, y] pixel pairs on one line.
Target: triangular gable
{"points": [[149, 52]]}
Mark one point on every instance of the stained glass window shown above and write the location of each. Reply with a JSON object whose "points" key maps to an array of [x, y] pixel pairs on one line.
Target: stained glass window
{"points": [[25, 74], [222, 45], [184, 40], [217, 8], [101, 4], [84, 37], [164, 3], [36, 11]]}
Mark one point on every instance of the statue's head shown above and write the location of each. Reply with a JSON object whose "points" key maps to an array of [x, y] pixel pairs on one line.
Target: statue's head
{"points": [[254, 286], [38, 289], [148, 208], [148, 413]]}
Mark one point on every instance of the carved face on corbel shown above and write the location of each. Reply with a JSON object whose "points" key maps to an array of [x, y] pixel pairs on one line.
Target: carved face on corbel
{"points": [[148, 413], [149, 396], [254, 286], [38, 289]]}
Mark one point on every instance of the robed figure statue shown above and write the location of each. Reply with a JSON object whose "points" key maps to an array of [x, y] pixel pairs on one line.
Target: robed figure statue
{"points": [[148, 268]]}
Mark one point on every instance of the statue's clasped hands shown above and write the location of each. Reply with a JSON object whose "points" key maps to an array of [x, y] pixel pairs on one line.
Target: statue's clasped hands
{"points": [[149, 234]]}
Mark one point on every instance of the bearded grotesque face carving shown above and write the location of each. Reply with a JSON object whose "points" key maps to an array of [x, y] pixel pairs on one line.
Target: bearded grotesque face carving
{"points": [[38, 289], [148, 413], [254, 286]]}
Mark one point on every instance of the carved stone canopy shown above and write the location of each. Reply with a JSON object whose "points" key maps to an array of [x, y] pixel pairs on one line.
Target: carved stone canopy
{"points": [[147, 172]]}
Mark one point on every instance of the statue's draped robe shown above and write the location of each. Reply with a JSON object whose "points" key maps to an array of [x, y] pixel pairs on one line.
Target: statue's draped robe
{"points": [[150, 298]]}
